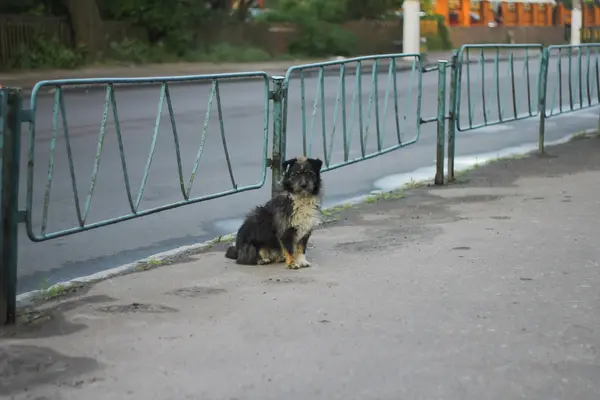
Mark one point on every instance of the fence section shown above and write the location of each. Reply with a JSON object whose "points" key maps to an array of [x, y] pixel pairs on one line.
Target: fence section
{"points": [[61, 130], [495, 94], [572, 78], [370, 102]]}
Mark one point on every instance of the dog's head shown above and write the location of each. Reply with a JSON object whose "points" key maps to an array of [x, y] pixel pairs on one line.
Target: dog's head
{"points": [[302, 176]]}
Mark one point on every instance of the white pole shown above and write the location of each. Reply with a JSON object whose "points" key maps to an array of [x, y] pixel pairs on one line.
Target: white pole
{"points": [[411, 42], [576, 23]]}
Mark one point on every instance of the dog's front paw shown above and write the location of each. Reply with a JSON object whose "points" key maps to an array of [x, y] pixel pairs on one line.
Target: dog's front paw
{"points": [[294, 265], [303, 262]]}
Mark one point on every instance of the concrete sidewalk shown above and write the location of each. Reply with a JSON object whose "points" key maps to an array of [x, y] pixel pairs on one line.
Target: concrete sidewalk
{"points": [[486, 289]]}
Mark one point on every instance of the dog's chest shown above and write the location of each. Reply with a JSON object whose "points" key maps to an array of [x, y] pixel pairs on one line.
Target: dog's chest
{"points": [[305, 215]]}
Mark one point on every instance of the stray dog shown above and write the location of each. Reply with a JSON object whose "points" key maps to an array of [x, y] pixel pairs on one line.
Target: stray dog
{"points": [[279, 230]]}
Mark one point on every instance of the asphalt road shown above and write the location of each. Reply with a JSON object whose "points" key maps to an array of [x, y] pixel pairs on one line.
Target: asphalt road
{"points": [[243, 110]]}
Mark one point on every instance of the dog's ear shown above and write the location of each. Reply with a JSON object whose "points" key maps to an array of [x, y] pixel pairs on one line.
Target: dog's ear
{"points": [[287, 164], [316, 164]]}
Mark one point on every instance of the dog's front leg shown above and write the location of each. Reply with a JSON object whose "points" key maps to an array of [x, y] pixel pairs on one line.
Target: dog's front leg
{"points": [[288, 245], [301, 251]]}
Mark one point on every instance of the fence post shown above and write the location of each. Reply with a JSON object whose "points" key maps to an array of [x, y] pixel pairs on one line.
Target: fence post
{"points": [[441, 122], [598, 127], [452, 113], [278, 139], [542, 98], [10, 147]]}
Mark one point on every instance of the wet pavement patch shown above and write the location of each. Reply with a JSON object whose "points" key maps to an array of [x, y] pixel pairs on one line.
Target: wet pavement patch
{"points": [[196, 291], [25, 367], [288, 280], [49, 321], [137, 308]]}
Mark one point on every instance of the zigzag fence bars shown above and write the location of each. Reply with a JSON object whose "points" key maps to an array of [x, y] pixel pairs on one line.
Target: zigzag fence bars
{"points": [[375, 108]]}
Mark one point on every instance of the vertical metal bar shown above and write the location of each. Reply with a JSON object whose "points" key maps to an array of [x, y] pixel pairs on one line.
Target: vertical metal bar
{"points": [[303, 110], [339, 93], [597, 87], [483, 88], [223, 139], [580, 80], [175, 142], [55, 115], [344, 122], [396, 117], [468, 62], [587, 78], [570, 75], [453, 105], [597, 76], [386, 100], [511, 62], [323, 119], [528, 82], [542, 90], [360, 108], [97, 158], [211, 97], [161, 102], [376, 90], [497, 73], [372, 95], [113, 105], [313, 116], [441, 122], [277, 161], [560, 91], [10, 151]]}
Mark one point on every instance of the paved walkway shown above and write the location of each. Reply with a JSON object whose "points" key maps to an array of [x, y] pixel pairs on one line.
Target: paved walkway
{"points": [[487, 289]]}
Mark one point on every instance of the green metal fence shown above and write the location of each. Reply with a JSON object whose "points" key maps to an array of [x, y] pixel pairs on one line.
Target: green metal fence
{"points": [[370, 102], [573, 83], [495, 95], [365, 115], [111, 106]]}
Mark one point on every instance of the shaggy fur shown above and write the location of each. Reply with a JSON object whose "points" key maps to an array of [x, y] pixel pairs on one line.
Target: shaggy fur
{"points": [[279, 230]]}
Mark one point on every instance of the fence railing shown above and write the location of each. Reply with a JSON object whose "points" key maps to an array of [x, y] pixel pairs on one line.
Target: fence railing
{"points": [[60, 125], [371, 111], [497, 94], [370, 119]]}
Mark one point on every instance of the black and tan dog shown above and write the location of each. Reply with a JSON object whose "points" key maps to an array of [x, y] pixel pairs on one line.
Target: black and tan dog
{"points": [[279, 230]]}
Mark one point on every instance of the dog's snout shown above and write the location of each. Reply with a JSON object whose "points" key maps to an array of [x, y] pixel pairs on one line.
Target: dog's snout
{"points": [[304, 185]]}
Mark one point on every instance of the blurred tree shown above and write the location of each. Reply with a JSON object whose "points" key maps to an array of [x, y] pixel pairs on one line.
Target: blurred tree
{"points": [[371, 9], [87, 25]]}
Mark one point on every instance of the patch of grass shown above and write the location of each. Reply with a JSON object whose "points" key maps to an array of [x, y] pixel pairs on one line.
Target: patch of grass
{"points": [[225, 52], [393, 195], [459, 176], [225, 239], [45, 53], [579, 136], [371, 199], [150, 264], [59, 290], [331, 214], [138, 52], [414, 184]]}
